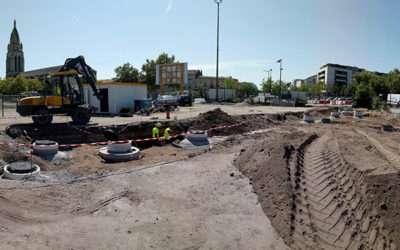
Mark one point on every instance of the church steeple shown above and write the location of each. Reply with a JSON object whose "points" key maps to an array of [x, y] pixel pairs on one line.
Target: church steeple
{"points": [[15, 63]]}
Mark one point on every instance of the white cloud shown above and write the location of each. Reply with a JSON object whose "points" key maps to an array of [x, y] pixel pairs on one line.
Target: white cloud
{"points": [[233, 64], [169, 7]]}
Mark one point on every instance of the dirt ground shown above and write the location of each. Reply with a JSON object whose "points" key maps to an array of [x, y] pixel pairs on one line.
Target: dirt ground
{"points": [[275, 183], [12, 117], [329, 186]]}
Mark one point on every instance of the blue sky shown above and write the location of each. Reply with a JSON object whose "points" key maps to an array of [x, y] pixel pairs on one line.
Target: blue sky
{"points": [[253, 34]]}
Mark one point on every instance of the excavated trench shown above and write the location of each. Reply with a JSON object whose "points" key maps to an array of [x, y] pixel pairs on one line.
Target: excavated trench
{"points": [[66, 133]]}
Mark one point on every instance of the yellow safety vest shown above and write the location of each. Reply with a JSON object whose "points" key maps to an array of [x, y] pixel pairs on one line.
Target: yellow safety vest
{"points": [[167, 133], [156, 132]]}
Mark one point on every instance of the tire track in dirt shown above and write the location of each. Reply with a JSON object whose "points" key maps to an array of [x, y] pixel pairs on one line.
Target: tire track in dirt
{"points": [[328, 209], [10, 217], [392, 157], [133, 197]]}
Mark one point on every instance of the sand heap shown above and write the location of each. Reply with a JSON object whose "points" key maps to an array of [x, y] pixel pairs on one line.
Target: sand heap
{"points": [[215, 118]]}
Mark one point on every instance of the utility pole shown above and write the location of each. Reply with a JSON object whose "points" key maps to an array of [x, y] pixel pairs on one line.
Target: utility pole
{"points": [[280, 79], [218, 2]]}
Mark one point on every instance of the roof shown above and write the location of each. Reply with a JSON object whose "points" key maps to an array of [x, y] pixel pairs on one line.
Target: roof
{"points": [[41, 72], [213, 77], [14, 35], [193, 71]]}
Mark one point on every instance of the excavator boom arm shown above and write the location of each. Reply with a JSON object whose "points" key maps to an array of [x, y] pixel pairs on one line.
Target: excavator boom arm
{"points": [[79, 64]]}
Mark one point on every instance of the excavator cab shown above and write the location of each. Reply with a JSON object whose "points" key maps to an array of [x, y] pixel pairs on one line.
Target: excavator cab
{"points": [[64, 89]]}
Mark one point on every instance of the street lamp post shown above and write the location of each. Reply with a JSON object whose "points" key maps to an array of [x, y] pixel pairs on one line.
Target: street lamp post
{"points": [[280, 79], [218, 2]]}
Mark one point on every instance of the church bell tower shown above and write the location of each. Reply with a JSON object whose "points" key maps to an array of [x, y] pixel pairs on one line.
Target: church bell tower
{"points": [[15, 63]]}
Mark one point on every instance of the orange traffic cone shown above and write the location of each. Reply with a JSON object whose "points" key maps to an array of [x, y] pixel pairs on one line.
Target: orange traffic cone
{"points": [[168, 117]]}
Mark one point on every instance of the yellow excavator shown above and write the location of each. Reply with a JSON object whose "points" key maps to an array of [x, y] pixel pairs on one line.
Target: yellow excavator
{"points": [[62, 94]]}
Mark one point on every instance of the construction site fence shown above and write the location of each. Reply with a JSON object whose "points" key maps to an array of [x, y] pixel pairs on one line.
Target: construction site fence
{"points": [[8, 103]]}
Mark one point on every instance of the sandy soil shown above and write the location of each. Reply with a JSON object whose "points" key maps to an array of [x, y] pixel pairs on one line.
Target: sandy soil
{"points": [[273, 183], [182, 113], [198, 203], [329, 186]]}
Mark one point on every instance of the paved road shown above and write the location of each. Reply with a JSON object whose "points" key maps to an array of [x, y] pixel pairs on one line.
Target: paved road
{"points": [[182, 113]]}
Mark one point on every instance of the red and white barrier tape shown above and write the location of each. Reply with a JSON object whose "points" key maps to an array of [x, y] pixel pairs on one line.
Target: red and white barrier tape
{"points": [[130, 141]]}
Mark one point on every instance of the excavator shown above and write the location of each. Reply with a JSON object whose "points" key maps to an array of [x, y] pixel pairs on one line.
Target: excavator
{"points": [[62, 94]]}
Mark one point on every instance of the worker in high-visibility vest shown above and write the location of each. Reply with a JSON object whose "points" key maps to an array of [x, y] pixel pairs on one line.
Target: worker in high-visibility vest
{"points": [[156, 131], [167, 133]]}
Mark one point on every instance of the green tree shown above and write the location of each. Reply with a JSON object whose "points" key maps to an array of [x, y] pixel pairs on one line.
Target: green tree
{"points": [[276, 88], [126, 73], [248, 88], [34, 84], [13, 86], [267, 86], [304, 87], [379, 86], [229, 83], [317, 88], [148, 74], [393, 81], [363, 96]]}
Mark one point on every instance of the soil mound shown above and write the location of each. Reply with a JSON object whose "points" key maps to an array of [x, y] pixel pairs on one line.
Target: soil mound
{"points": [[215, 118], [321, 112], [318, 199], [266, 164]]}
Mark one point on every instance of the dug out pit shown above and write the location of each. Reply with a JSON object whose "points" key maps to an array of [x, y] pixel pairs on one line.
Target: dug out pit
{"points": [[66, 133]]}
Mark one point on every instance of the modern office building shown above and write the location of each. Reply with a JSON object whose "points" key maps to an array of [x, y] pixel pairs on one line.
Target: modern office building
{"points": [[340, 75], [311, 80]]}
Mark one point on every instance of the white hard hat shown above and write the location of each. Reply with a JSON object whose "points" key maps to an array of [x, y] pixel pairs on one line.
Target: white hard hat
{"points": [[158, 124]]}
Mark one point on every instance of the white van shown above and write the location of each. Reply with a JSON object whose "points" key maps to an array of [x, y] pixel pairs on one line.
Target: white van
{"points": [[393, 99]]}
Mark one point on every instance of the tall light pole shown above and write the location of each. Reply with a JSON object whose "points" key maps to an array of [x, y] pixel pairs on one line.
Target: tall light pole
{"points": [[218, 2], [269, 73], [280, 79]]}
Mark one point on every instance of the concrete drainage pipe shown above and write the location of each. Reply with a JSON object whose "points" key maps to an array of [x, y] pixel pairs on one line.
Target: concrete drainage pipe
{"points": [[347, 113], [119, 147], [119, 157], [49, 148], [386, 128], [358, 114], [197, 135], [308, 118], [335, 114], [19, 170], [325, 120]]}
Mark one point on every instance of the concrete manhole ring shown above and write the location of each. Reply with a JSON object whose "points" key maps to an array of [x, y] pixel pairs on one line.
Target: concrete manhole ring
{"points": [[119, 157], [386, 128], [19, 170], [358, 114], [335, 114], [120, 147], [308, 118], [197, 135], [325, 120], [347, 113], [50, 148]]}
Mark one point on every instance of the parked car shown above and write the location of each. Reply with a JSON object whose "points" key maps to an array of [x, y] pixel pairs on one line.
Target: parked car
{"points": [[185, 100], [199, 100], [348, 101], [166, 101]]}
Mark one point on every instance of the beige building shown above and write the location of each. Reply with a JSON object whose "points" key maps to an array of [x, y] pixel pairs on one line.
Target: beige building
{"points": [[209, 81]]}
